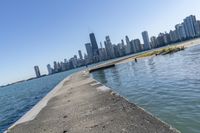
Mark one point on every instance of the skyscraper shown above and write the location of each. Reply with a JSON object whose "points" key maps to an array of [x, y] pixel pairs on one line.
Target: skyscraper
{"points": [[189, 25], [197, 27], [133, 47], [128, 45], [102, 53], [109, 48], [95, 51], [122, 48], [145, 37], [161, 39], [122, 42], [50, 70], [153, 42], [55, 65], [166, 38], [180, 31], [116, 51], [173, 36], [88, 47], [80, 55], [138, 45], [37, 71]]}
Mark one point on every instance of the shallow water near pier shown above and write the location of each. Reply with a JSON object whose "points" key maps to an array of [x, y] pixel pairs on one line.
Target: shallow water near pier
{"points": [[17, 99], [167, 86]]}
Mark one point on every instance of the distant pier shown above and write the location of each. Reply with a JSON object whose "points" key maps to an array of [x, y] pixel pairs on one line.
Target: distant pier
{"points": [[101, 67]]}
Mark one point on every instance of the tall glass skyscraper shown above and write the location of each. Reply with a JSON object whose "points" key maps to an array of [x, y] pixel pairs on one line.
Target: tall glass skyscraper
{"points": [[189, 25], [109, 48], [145, 37], [37, 71], [94, 45], [88, 47], [80, 55]]}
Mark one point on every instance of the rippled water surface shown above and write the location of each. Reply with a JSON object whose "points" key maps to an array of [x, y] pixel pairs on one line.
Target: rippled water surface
{"points": [[168, 86], [17, 99]]}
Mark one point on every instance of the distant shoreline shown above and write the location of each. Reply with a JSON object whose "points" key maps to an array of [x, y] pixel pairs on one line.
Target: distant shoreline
{"points": [[23, 80], [185, 44]]}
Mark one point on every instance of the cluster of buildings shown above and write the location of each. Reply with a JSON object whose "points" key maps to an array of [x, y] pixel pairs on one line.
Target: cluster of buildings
{"points": [[188, 29]]}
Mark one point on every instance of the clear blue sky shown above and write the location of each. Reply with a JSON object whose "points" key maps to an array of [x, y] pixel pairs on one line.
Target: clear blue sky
{"points": [[37, 32]]}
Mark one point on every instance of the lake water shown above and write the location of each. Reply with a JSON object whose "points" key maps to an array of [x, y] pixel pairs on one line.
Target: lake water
{"points": [[17, 99], [168, 86]]}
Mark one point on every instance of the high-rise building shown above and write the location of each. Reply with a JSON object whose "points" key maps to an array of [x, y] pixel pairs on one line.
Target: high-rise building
{"points": [[145, 37], [87, 61], [63, 67], [80, 55], [50, 70], [122, 48], [173, 36], [166, 38], [95, 51], [189, 26], [74, 61], [180, 32], [59, 66], [116, 51], [122, 42], [37, 71], [138, 45], [133, 47], [153, 42], [128, 45], [102, 53], [88, 47], [109, 48], [55, 65], [197, 28], [65, 61], [161, 40]]}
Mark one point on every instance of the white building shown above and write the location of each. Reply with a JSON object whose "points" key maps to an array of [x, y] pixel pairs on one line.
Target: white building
{"points": [[145, 37]]}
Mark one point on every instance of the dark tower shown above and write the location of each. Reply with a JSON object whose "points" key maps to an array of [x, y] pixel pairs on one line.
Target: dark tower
{"points": [[95, 50]]}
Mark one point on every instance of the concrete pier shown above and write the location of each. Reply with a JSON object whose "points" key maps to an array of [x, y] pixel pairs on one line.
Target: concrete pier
{"points": [[83, 105], [100, 67]]}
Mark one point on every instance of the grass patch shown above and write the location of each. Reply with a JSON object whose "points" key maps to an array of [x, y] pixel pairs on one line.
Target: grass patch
{"points": [[163, 51]]}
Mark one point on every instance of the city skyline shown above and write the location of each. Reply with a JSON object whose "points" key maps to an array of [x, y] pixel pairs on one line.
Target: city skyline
{"points": [[32, 49], [188, 29]]}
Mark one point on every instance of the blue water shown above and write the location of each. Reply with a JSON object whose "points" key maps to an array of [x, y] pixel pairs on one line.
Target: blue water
{"points": [[168, 86], [17, 99]]}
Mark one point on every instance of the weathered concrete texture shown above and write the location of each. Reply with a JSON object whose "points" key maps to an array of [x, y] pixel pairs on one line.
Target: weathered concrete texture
{"points": [[81, 106]]}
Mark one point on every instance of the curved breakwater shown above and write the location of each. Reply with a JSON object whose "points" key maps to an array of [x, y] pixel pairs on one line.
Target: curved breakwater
{"points": [[17, 99]]}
